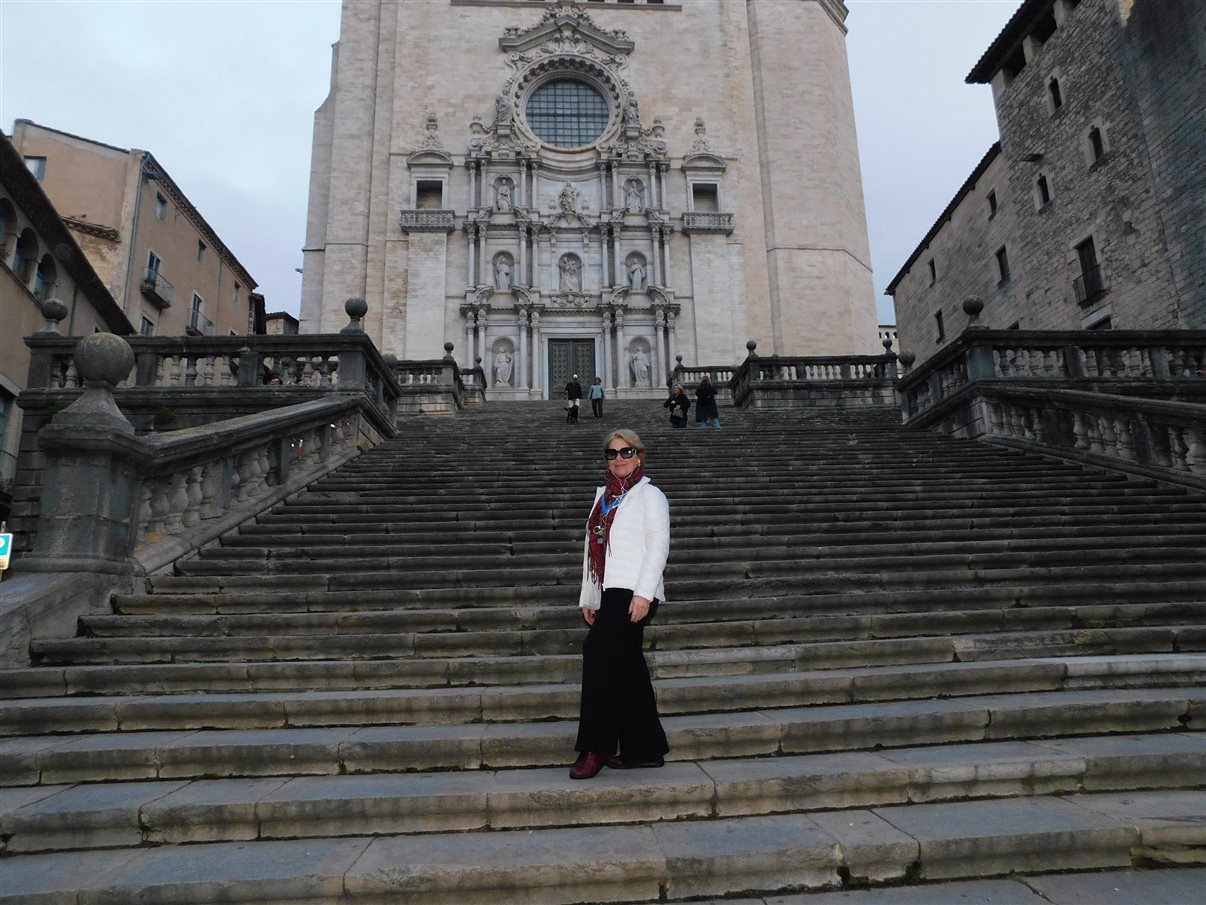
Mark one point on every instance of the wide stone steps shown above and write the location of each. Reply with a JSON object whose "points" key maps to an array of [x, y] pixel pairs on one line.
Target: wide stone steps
{"points": [[178, 811], [643, 862], [475, 690], [290, 750], [887, 657]]}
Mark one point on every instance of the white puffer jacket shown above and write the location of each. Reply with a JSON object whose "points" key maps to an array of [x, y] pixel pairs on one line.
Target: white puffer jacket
{"points": [[640, 543]]}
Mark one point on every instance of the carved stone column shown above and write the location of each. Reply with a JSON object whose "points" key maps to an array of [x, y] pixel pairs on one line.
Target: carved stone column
{"points": [[521, 276], [483, 322], [481, 255], [665, 237], [661, 183], [472, 167], [521, 191], [654, 201], [604, 238], [525, 381], [615, 188], [605, 316], [671, 345], [621, 351], [471, 238], [619, 276], [655, 245], [537, 357], [662, 363], [470, 327]]}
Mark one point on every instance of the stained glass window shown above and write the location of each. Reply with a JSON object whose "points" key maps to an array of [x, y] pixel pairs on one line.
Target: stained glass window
{"points": [[567, 113]]}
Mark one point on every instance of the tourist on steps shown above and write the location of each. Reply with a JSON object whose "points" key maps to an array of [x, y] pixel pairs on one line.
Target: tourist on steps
{"points": [[573, 399], [706, 412], [596, 397], [679, 404], [627, 541]]}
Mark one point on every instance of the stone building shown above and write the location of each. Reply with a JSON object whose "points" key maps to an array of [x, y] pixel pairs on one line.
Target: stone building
{"points": [[591, 187], [1088, 213], [159, 258], [39, 260]]}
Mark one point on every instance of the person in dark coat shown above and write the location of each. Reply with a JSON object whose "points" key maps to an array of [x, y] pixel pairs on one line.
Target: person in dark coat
{"points": [[573, 396], [679, 404], [706, 411]]}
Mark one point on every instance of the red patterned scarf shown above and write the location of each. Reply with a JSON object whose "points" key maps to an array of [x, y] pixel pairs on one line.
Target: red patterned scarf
{"points": [[598, 526]]}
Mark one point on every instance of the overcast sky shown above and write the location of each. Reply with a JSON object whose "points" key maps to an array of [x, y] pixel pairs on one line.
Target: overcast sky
{"points": [[223, 93]]}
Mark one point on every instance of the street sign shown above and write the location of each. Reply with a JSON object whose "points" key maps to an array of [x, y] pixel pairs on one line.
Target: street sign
{"points": [[6, 548]]}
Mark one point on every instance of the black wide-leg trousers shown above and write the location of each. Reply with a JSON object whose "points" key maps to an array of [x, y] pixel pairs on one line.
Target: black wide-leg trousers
{"points": [[618, 712]]}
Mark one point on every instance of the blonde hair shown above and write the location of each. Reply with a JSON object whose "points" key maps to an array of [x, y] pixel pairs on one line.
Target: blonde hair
{"points": [[629, 436]]}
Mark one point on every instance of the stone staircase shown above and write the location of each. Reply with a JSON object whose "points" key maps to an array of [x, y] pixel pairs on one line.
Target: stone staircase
{"points": [[888, 658]]}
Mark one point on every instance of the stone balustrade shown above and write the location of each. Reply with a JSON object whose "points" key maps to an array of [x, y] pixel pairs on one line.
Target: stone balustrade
{"points": [[1159, 363], [720, 377], [707, 222], [1161, 439], [434, 387], [779, 382]]}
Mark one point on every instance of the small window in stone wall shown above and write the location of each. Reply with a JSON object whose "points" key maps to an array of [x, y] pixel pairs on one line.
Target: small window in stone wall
{"points": [[705, 197], [1014, 64], [1055, 93], [933, 271], [1042, 190], [939, 325], [429, 194], [147, 327], [1096, 145], [1002, 265], [1044, 28], [1104, 324], [992, 205]]}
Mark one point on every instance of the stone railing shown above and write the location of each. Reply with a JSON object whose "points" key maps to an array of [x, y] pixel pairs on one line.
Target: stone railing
{"points": [[1160, 439], [423, 220], [433, 387], [190, 380], [115, 505], [780, 382], [720, 377], [474, 380], [707, 222], [1162, 364], [1133, 401]]}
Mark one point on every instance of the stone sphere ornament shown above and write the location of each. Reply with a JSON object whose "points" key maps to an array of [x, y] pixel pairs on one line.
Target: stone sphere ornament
{"points": [[104, 358], [750, 347], [907, 358], [972, 306], [356, 309], [54, 310]]}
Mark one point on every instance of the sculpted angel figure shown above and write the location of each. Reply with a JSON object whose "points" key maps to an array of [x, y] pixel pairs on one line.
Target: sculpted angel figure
{"points": [[502, 369], [571, 274]]}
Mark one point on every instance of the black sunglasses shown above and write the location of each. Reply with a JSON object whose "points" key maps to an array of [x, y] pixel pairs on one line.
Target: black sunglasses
{"points": [[627, 452]]}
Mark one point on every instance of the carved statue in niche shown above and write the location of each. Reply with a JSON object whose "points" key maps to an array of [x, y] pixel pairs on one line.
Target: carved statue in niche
{"points": [[634, 196], [632, 116], [502, 111], [571, 274], [636, 273], [567, 201], [502, 368], [503, 190], [640, 368], [502, 272]]}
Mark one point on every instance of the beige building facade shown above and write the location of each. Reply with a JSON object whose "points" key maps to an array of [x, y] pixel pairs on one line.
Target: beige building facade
{"points": [[158, 257], [590, 187], [1090, 212], [39, 260]]}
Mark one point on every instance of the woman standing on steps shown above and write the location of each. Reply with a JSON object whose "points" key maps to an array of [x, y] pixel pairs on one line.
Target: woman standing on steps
{"points": [[624, 556]]}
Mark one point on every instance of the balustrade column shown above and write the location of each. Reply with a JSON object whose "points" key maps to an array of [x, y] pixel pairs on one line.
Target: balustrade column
{"points": [[537, 355], [621, 349]]}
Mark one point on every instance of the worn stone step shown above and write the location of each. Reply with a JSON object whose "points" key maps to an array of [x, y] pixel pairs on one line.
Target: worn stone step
{"points": [[445, 700], [676, 627], [645, 862], [731, 655], [92, 815], [459, 604], [182, 753]]}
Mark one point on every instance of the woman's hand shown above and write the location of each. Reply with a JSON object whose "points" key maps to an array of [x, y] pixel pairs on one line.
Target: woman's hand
{"points": [[638, 609], [589, 615]]}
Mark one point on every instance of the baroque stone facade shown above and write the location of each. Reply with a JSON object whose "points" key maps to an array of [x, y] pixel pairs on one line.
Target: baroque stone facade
{"points": [[560, 190], [1089, 211]]}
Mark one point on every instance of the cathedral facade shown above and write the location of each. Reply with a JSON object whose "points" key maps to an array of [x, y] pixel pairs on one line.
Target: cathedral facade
{"points": [[590, 187]]}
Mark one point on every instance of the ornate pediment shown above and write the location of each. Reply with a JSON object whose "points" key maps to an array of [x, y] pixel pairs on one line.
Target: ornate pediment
{"points": [[565, 29]]}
